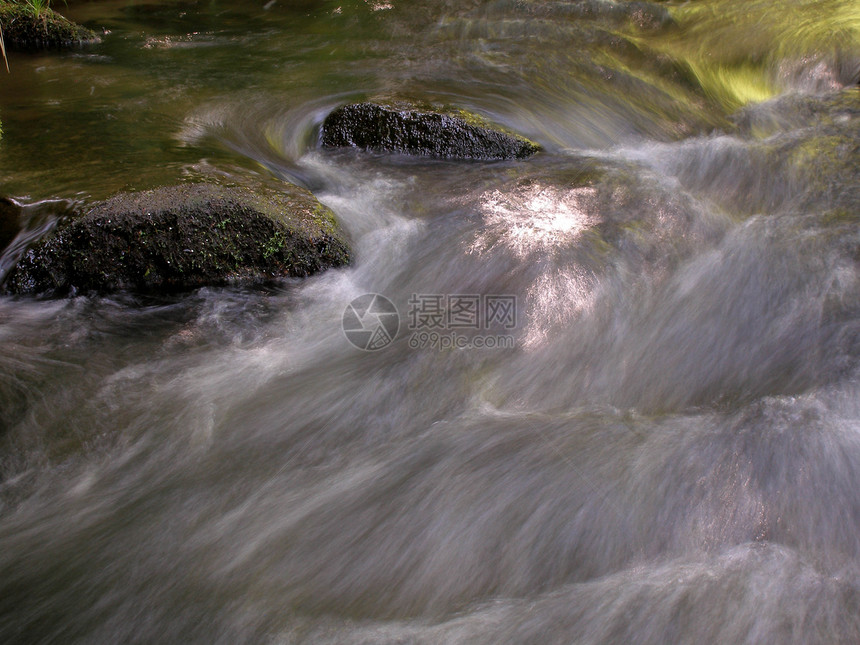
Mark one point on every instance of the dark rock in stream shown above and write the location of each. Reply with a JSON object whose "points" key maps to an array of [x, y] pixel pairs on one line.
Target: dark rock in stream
{"points": [[8, 222], [23, 29], [422, 130], [182, 237]]}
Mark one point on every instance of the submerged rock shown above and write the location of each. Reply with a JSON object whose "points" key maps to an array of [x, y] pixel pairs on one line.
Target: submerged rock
{"points": [[590, 214], [796, 153], [182, 237], [645, 15], [422, 130], [25, 29], [830, 112]]}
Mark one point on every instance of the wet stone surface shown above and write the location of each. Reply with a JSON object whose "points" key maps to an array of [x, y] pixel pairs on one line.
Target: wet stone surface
{"points": [[182, 237]]}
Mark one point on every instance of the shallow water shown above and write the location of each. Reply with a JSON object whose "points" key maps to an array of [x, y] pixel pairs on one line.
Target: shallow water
{"points": [[662, 446]]}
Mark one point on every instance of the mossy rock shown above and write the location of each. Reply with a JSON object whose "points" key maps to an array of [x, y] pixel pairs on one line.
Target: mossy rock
{"points": [[182, 237], [800, 153], [422, 130], [23, 29], [825, 112]]}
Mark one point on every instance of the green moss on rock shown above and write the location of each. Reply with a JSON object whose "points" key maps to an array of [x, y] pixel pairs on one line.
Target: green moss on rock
{"points": [[24, 30], [799, 112], [182, 237], [414, 129], [813, 146]]}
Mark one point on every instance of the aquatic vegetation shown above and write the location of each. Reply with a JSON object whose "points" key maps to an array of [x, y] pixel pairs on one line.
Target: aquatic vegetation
{"points": [[3, 49], [36, 7]]}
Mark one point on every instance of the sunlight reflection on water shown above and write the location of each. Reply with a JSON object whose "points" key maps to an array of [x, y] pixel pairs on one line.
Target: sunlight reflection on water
{"points": [[535, 218]]}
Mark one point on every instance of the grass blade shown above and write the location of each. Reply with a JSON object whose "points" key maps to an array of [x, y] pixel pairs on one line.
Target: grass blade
{"points": [[3, 50]]}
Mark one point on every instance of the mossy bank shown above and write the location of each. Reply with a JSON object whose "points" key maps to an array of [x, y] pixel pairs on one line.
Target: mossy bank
{"points": [[25, 29], [182, 237]]}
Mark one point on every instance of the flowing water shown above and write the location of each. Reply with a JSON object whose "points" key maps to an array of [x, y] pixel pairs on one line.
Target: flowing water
{"points": [[663, 445]]}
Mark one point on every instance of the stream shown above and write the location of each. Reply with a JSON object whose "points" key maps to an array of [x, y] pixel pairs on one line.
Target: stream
{"points": [[622, 403]]}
